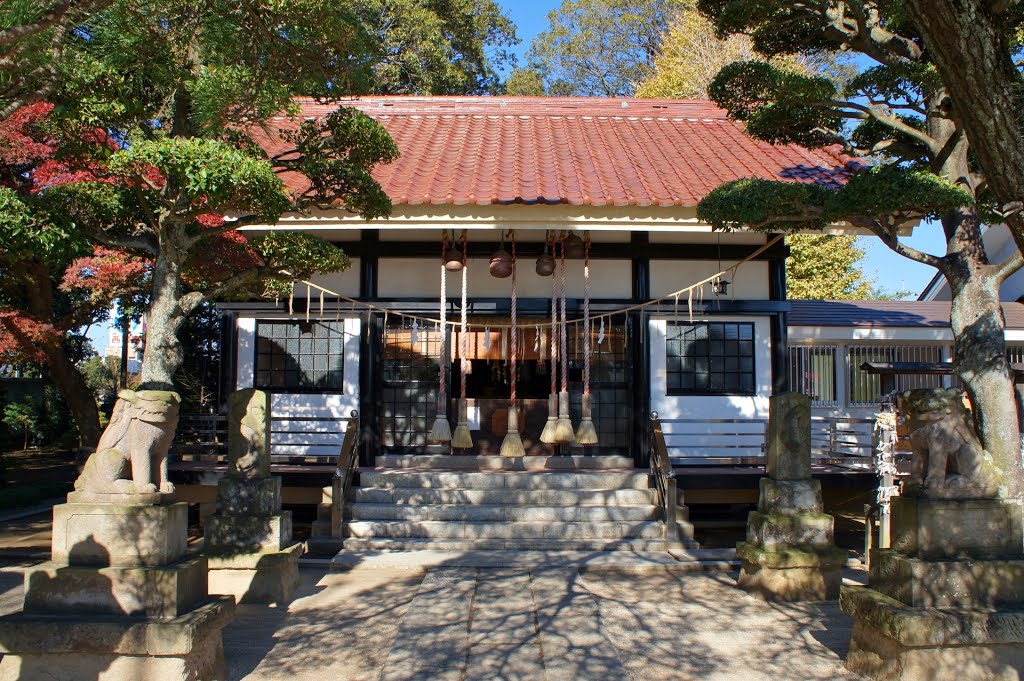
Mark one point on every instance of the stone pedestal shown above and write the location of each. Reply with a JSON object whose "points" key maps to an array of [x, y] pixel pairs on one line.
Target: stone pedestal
{"points": [[119, 599], [790, 554], [249, 542], [946, 602]]}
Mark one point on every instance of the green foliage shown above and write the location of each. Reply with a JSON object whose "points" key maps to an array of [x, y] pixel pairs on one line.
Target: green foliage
{"points": [[872, 195], [895, 82], [440, 47], [217, 177], [779, 105], [601, 47], [826, 267], [301, 255], [336, 154], [890, 189], [525, 83], [765, 205], [35, 227], [25, 417], [102, 375]]}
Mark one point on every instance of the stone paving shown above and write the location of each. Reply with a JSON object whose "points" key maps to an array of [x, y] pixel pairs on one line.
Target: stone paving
{"points": [[540, 624], [381, 623]]}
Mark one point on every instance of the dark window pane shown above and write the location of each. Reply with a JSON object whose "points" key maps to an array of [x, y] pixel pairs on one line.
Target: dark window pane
{"points": [[715, 358], [296, 356]]}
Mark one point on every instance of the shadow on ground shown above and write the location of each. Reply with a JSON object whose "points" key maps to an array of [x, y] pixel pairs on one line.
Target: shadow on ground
{"points": [[477, 624]]}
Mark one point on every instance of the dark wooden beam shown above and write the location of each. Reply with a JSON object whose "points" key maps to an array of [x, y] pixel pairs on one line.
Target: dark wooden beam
{"points": [[604, 251]]}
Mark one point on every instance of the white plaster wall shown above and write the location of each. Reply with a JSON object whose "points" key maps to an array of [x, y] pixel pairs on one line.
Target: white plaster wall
{"points": [[420, 277], [245, 373], [346, 283], [749, 282], [321, 417], [689, 439]]}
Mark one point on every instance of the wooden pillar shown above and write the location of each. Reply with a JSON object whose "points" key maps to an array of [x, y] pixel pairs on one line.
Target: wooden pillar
{"points": [[636, 328], [779, 326], [370, 356]]}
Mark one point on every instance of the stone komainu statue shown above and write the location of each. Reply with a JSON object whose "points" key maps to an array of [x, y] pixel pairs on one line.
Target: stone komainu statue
{"points": [[948, 460], [131, 457]]}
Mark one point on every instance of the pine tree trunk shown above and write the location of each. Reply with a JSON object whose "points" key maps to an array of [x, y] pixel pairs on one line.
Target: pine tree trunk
{"points": [[976, 319], [967, 41]]}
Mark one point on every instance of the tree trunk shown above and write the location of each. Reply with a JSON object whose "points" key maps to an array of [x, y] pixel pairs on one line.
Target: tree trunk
{"points": [[163, 354], [968, 44], [59, 367], [976, 319], [80, 399]]}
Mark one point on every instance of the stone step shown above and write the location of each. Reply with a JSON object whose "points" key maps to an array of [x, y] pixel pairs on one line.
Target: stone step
{"points": [[502, 463], [626, 561], [434, 529], [530, 497], [434, 479], [500, 513], [429, 544]]}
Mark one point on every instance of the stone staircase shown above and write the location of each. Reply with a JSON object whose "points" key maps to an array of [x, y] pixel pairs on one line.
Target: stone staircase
{"points": [[488, 503]]}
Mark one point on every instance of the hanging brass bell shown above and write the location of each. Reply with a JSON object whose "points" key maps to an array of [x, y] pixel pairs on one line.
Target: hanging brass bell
{"points": [[574, 248], [501, 264], [545, 265], [453, 260]]}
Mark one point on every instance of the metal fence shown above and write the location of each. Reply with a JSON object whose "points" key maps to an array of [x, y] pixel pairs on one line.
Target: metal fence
{"points": [[812, 371], [865, 390]]}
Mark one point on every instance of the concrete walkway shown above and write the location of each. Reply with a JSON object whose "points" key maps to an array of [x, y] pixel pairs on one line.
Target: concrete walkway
{"points": [[535, 624]]}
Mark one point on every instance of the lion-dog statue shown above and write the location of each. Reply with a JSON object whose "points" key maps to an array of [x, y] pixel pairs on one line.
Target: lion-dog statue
{"points": [[131, 457], [948, 460]]}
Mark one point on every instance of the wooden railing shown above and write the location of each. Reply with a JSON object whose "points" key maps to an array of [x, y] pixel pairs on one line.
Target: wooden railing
{"points": [[843, 439], [834, 439], [715, 441], [343, 474], [664, 484], [201, 437]]}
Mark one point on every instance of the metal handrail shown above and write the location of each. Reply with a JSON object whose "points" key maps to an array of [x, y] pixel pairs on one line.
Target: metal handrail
{"points": [[343, 474], [664, 483]]}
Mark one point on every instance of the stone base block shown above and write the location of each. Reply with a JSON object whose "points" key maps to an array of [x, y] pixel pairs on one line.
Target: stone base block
{"points": [[261, 497], [780, 531], [257, 578], [70, 648], [233, 534], [321, 528], [790, 496], [894, 642], [948, 583], [955, 528], [102, 535], [791, 575], [134, 499], [148, 591], [324, 546]]}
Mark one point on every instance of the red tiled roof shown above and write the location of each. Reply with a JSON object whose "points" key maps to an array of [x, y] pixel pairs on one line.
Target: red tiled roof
{"points": [[884, 313], [576, 151]]}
